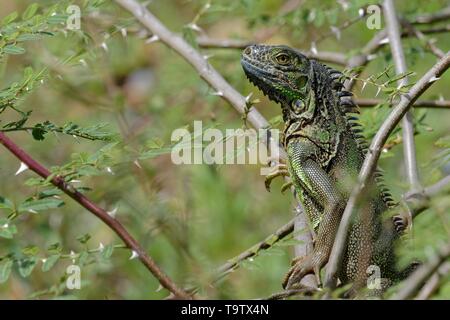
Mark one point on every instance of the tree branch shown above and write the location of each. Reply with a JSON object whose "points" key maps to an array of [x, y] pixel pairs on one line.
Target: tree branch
{"points": [[100, 213], [409, 148], [423, 273], [437, 104], [419, 35], [371, 159], [233, 263], [433, 283], [428, 18], [324, 56]]}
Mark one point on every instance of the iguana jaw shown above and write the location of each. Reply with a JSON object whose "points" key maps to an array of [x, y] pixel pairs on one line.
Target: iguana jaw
{"points": [[261, 79]]}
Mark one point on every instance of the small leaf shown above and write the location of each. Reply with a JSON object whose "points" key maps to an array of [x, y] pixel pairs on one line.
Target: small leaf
{"points": [[54, 248], [40, 204], [84, 238], [5, 270], [30, 11], [6, 204], [26, 266], [30, 250], [7, 230], [107, 251], [29, 37], [13, 49], [50, 262], [10, 18], [82, 258]]}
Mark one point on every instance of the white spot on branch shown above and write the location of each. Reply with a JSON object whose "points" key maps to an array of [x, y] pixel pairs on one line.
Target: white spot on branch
{"points": [[134, 255], [23, 167]]}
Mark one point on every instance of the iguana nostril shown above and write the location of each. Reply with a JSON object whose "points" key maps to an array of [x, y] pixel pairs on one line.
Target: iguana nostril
{"points": [[248, 51]]}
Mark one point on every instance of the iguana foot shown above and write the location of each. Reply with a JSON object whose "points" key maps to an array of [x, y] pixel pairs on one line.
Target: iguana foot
{"points": [[280, 170], [301, 266]]}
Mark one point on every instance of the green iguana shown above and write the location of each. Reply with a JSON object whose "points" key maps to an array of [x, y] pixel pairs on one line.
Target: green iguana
{"points": [[325, 151]]}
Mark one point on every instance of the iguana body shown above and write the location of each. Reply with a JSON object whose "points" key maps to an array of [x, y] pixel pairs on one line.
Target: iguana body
{"points": [[325, 153]]}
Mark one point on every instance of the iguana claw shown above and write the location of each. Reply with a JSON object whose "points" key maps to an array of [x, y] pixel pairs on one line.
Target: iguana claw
{"points": [[280, 170], [301, 266]]}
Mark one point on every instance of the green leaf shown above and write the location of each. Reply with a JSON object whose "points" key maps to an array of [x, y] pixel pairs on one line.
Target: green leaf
{"points": [[30, 250], [57, 18], [107, 251], [26, 266], [7, 230], [84, 238], [55, 248], [10, 18], [5, 270], [82, 258], [6, 204], [13, 49], [30, 11], [29, 37], [50, 262], [40, 205]]}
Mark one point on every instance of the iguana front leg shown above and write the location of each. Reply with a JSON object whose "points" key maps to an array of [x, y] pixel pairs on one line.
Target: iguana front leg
{"points": [[308, 175], [280, 169]]}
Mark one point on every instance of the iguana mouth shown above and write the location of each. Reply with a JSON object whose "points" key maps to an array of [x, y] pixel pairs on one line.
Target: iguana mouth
{"points": [[260, 78]]}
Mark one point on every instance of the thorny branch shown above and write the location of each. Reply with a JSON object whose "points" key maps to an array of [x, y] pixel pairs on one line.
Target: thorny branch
{"points": [[409, 147], [99, 212], [436, 104], [411, 285], [371, 160]]}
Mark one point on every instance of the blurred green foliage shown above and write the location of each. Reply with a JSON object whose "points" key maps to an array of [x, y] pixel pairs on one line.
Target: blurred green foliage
{"points": [[112, 101]]}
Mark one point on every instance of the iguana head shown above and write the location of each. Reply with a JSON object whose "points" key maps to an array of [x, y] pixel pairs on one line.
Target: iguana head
{"points": [[279, 72]]}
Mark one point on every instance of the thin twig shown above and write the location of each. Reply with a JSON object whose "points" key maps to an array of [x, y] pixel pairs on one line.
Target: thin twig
{"points": [[324, 56], [438, 186], [433, 283], [371, 159], [268, 242], [428, 18], [435, 104], [419, 35], [423, 273], [99, 212]]}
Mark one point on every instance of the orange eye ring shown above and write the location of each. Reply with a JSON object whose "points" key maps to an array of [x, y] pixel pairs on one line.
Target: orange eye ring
{"points": [[283, 58]]}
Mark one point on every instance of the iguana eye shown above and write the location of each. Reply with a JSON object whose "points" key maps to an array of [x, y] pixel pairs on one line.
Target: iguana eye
{"points": [[283, 58]]}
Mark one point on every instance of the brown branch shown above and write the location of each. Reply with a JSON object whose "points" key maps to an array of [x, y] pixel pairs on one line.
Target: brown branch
{"points": [[371, 159], [438, 104], [422, 274], [100, 213]]}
